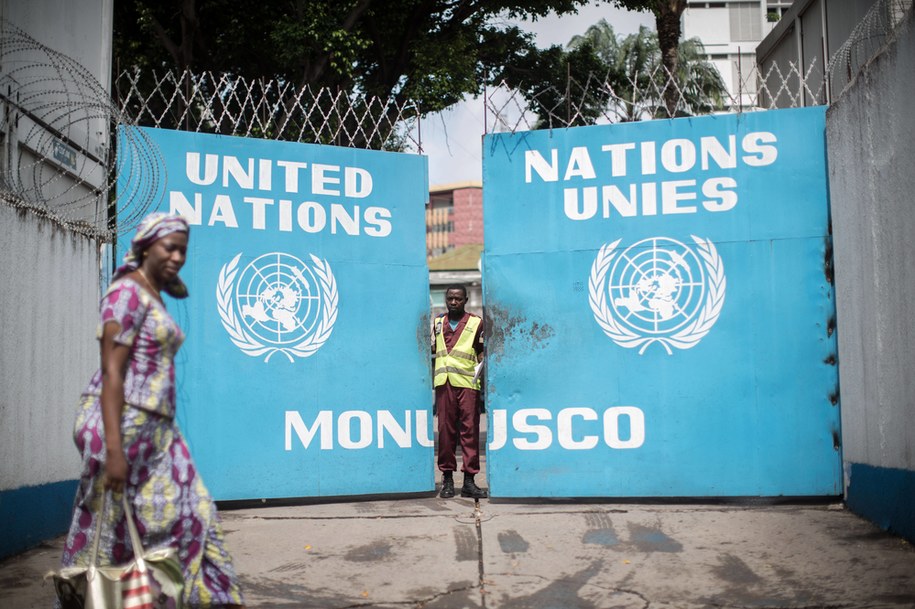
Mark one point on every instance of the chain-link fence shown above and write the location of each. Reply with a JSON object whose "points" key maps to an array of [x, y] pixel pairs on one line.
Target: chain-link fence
{"points": [[644, 95], [272, 109], [655, 92], [60, 130], [59, 126]]}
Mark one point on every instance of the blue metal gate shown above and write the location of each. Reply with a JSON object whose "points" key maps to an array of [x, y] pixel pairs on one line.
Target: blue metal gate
{"points": [[660, 309], [305, 371]]}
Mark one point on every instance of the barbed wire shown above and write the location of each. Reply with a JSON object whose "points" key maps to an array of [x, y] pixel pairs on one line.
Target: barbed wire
{"points": [[876, 28], [57, 128]]}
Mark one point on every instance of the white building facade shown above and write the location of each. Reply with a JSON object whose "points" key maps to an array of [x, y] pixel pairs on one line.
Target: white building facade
{"points": [[730, 32]]}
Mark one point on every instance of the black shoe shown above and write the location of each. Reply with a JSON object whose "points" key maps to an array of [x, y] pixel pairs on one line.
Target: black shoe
{"points": [[470, 489], [447, 488]]}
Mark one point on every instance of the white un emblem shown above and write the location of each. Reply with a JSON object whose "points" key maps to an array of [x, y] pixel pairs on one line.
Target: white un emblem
{"points": [[658, 290], [277, 303]]}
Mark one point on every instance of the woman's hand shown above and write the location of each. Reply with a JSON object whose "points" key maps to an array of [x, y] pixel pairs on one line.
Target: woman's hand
{"points": [[115, 471]]}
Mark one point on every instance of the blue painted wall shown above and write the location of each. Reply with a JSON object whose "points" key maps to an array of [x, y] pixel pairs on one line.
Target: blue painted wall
{"points": [[885, 495], [29, 515]]}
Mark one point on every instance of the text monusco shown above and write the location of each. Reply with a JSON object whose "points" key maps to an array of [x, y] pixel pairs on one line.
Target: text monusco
{"points": [[537, 427], [360, 429]]}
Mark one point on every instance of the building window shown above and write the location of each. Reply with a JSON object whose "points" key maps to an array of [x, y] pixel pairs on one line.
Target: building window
{"points": [[437, 297], [439, 224], [746, 22]]}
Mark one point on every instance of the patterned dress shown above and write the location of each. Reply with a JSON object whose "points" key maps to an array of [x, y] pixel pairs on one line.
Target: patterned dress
{"points": [[171, 505]]}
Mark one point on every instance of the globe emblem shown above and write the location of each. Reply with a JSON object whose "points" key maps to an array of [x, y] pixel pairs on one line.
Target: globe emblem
{"points": [[656, 285], [279, 298]]}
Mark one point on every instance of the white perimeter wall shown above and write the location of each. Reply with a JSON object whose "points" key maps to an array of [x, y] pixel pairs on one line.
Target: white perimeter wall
{"points": [[49, 277], [80, 29], [871, 142], [48, 315]]}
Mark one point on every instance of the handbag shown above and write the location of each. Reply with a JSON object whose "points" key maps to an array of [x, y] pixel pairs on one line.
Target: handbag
{"points": [[152, 580]]}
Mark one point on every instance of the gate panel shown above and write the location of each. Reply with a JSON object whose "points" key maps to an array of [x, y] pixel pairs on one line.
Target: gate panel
{"points": [[305, 371], [670, 344]]}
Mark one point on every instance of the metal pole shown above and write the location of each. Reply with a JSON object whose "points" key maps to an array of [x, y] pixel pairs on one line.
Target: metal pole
{"points": [[568, 95], [485, 110], [739, 82]]}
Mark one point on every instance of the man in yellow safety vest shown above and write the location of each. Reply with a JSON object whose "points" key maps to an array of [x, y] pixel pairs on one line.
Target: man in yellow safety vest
{"points": [[458, 347]]}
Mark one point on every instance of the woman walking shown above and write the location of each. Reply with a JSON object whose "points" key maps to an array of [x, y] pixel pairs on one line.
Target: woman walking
{"points": [[126, 431]]}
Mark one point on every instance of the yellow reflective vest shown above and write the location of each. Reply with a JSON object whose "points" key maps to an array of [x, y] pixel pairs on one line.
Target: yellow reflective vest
{"points": [[456, 366]]}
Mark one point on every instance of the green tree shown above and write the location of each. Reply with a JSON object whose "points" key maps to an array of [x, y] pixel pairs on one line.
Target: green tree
{"points": [[600, 74], [561, 87], [667, 15], [639, 77], [430, 51], [629, 64], [698, 80]]}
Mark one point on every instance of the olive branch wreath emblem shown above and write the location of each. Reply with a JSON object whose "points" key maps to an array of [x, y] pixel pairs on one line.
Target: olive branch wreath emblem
{"points": [[685, 338], [248, 344]]}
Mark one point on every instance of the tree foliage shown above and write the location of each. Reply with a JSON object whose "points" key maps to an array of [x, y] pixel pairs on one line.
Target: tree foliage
{"points": [[667, 15], [561, 86], [640, 78], [602, 74], [430, 51]]}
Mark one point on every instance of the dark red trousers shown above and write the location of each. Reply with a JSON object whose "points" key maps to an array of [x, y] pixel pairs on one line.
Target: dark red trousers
{"points": [[458, 421]]}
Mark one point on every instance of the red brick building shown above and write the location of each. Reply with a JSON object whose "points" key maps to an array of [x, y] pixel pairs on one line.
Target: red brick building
{"points": [[454, 217], [454, 241]]}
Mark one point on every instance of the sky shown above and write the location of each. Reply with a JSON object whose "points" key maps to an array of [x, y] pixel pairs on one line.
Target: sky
{"points": [[452, 139]]}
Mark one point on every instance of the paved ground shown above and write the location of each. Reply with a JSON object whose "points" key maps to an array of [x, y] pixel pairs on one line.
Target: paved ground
{"points": [[455, 553], [438, 553]]}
